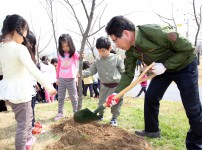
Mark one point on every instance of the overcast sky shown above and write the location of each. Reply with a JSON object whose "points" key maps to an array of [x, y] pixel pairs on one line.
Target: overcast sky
{"points": [[139, 11]]}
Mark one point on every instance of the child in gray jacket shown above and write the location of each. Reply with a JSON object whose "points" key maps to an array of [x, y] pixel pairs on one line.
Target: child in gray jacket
{"points": [[109, 67]]}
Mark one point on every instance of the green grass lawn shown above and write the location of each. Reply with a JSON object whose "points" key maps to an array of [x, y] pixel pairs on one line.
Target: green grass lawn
{"points": [[173, 123]]}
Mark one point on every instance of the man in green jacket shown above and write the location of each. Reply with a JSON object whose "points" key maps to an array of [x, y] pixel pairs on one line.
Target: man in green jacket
{"points": [[175, 60]]}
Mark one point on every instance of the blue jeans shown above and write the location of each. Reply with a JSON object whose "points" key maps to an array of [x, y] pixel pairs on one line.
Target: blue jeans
{"points": [[187, 83]]}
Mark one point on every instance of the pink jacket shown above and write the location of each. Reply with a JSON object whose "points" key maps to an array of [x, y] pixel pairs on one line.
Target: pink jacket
{"points": [[144, 83], [67, 67]]}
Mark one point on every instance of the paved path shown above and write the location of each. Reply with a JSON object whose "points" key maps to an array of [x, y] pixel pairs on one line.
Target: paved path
{"points": [[172, 93]]}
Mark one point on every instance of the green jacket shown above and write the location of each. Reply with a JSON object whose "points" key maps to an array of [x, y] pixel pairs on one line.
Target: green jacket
{"points": [[157, 44]]}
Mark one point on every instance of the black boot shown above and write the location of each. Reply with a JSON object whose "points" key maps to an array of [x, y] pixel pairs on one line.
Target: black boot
{"points": [[149, 134]]}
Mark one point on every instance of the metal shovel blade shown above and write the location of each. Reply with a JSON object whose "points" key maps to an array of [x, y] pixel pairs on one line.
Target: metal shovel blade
{"points": [[85, 116]]}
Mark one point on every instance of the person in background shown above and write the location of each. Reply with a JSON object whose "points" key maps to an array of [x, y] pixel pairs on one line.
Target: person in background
{"points": [[66, 73], [31, 46], [54, 62], [175, 60], [109, 67], [138, 65], [143, 86], [40, 93], [49, 72], [15, 87], [95, 85], [87, 82]]}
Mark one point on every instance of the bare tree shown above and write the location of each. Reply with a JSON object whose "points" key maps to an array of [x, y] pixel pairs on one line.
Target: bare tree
{"points": [[85, 32], [198, 19], [170, 21], [91, 46], [49, 10], [197, 15], [38, 40]]}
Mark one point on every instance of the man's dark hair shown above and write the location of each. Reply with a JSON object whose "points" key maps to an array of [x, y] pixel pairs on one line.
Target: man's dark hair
{"points": [[103, 42], [117, 24]]}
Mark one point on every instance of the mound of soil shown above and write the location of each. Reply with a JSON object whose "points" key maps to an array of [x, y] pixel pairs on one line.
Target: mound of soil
{"points": [[95, 136]]}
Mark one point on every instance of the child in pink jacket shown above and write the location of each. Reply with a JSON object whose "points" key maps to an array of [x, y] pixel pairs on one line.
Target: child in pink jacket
{"points": [[143, 85], [66, 73]]}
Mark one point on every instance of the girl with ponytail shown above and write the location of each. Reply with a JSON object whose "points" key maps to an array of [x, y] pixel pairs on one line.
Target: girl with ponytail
{"points": [[16, 89]]}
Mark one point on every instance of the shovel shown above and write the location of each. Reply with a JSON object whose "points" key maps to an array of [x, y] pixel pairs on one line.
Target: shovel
{"points": [[86, 116]]}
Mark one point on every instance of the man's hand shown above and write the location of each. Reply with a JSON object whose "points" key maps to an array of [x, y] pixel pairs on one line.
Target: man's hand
{"points": [[110, 101], [158, 68]]}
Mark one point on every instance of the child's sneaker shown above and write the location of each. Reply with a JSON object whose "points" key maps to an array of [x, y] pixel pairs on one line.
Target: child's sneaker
{"points": [[100, 117], [30, 143], [58, 117], [113, 122]]}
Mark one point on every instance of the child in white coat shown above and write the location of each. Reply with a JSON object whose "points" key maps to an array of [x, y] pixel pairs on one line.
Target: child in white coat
{"points": [[16, 87]]}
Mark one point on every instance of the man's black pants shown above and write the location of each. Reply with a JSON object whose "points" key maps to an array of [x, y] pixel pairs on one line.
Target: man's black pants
{"points": [[187, 83]]}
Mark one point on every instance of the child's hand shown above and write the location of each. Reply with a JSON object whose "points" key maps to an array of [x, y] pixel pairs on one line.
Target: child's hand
{"points": [[78, 75], [56, 82], [82, 55]]}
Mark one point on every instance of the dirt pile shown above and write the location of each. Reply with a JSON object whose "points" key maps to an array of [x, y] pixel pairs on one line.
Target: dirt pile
{"points": [[95, 136]]}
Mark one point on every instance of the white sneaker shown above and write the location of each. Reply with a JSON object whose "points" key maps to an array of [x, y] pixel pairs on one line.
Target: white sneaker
{"points": [[113, 122], [58, 117]]}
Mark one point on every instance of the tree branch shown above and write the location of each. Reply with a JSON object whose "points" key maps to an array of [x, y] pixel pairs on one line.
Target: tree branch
{"points": [[75, 16], [86, 12]]}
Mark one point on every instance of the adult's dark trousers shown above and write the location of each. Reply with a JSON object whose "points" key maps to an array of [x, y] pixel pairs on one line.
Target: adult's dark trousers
{"points": [[85, 89], [56, 87], [2, 103], [3, 106], [187, 83], [33, 108], [143, 89], [95, 89]]}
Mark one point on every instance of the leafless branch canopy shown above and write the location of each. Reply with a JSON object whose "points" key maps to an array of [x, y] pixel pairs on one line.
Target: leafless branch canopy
{"points": [[167, 20], [75, 16], [48, 6]]}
